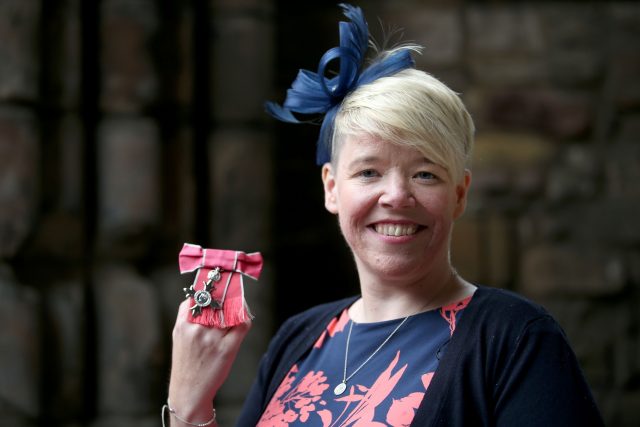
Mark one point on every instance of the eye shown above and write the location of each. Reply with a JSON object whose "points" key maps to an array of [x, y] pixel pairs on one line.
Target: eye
{"points": [[368, 173], [425, 176]]}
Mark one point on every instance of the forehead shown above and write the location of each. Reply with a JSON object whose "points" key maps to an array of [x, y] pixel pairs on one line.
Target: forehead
{"points": [[370, 148]]}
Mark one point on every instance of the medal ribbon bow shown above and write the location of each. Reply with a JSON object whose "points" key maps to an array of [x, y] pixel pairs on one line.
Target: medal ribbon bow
{"points": [[217, 292]]}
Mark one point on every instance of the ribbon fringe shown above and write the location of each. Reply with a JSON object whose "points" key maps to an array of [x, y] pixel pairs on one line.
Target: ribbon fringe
{"points": [[235, 311]]}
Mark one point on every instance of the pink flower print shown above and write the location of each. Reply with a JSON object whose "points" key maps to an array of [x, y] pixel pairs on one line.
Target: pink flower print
{"points": [[289, 404], [326, 417], [320, 340], [448, 312], [403, 410], [426, 379], [366, 404], [336, 325]]}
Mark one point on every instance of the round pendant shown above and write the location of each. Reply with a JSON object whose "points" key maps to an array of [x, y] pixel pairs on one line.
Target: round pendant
{"points": [[340, 388], [202, 298]]}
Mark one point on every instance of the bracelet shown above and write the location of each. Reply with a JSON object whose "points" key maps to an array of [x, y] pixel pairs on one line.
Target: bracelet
{"points": [[167, 407]]}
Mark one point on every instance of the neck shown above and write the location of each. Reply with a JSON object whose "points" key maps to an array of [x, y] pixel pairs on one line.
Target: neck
{"points": [[385, 300]]}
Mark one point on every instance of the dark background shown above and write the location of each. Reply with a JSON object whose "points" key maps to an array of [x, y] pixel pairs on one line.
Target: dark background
{"points": [[128, 127]]}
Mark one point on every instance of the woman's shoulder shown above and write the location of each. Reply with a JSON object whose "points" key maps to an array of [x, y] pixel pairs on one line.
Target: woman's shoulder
{"points": [[315, 317], [504, 307], [505, 319], [328, 309], [490, 297]]}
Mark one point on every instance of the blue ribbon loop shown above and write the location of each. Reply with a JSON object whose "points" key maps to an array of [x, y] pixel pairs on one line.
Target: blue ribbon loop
{"points": [[314, 93]]}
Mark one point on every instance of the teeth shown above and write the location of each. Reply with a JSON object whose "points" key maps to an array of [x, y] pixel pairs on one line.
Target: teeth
{"points": [[396, 229]]}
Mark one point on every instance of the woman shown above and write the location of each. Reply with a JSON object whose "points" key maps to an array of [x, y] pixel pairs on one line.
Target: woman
{"points": [[420, 346]]}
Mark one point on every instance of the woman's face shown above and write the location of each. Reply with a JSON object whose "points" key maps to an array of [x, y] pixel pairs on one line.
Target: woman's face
{"points": [[396, 208]]}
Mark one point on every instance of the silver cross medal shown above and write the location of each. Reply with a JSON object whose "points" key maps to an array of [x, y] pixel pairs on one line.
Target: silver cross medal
{"points": [[203, 298]]}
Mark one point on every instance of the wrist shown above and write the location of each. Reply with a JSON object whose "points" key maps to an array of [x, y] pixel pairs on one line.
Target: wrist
{"points": [[190, 403], [198, 417]]}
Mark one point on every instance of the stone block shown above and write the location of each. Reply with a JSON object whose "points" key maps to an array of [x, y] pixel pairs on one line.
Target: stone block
{"points": [[129, 343], [623, 57], [574, 43], [129, 183], [507, 161], [501, 71], [65, 310], [576, 178], [557, 270], [61, 58], [439, 30], [169, 285], [129, 79], [633, 261], [503, 30], [629, 130], [505, 45], [259, 7], [465, 248], [183, 58], [19, 178], [499, 254], [622, 169], [71, 164], [70, 63], [242, 188], [627, 409], [20, 350], [559, 115], [19, 32], [481, 250], [179, 186], [242, 55], [624, 32], [612, 221], [622, 85], [60, 230]]}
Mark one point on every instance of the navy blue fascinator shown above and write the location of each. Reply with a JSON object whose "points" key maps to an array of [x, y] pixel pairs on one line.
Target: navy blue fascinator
{"points": [[314, 94]]}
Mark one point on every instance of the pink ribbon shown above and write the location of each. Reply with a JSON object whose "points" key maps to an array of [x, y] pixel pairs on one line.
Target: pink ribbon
{"points": [[228, 291], [193, 257]]}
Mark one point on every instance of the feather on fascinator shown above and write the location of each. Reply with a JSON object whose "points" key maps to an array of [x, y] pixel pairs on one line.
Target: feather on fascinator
{"points": [[313, 93]]}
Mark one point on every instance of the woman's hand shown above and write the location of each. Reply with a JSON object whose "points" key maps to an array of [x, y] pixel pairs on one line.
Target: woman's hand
{"points": [[201, 360]]}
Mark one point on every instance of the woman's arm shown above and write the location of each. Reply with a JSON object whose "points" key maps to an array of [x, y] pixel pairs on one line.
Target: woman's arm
{"points": [[201, 360], [542, 383]]}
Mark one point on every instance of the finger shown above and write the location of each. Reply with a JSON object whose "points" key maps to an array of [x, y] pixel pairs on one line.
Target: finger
{"points": [[183, 307], [238, 332]]}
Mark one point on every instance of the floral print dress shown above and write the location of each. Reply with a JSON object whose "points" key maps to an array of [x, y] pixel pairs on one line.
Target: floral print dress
{"points": [[386, 391]]}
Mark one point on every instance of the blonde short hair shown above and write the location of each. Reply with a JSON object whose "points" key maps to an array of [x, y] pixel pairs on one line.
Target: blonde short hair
{"points": [[410, 108]]}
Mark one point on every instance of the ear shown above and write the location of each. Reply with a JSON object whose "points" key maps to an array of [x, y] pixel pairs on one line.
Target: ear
{"points": [[461, 194], [329, 183]]}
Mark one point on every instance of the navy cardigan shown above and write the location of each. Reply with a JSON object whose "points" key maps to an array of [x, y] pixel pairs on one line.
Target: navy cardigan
{"points": [[508, 364]]}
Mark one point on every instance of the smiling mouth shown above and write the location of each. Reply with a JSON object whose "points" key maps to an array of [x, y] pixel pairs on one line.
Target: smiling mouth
{"points": [[396, 230]]}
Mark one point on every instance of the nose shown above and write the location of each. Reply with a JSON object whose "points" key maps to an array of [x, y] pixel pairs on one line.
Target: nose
{"points": [[397, 193]]}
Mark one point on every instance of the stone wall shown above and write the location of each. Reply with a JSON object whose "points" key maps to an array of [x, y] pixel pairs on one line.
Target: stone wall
{"points": [[128, 127], [119, 141]]}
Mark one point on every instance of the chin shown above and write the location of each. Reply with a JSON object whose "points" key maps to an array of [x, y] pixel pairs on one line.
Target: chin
{"points": [[395, 267]]}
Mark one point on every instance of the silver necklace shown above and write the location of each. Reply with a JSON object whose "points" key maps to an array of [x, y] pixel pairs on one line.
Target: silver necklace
{"points": [[340, 388]]}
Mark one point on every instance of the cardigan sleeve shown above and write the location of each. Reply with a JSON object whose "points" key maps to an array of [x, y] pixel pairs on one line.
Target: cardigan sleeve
{"points": [[541, 383]]}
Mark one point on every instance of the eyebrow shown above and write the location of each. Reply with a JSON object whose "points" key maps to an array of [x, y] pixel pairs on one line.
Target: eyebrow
{"points": [[363, 159], [367, 159]]}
